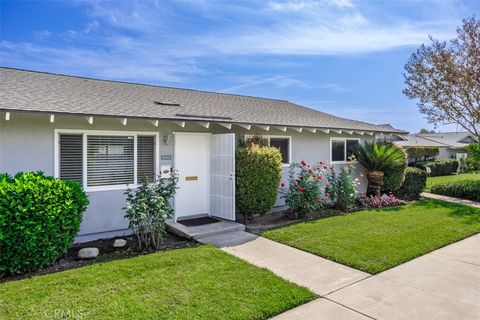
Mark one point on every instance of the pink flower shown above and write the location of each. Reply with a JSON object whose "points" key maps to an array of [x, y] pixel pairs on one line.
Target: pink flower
{"points": [[303, 163], [282, 184]]}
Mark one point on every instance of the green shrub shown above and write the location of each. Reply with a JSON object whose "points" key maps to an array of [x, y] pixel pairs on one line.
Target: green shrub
{"points": [[341, 188], [393, 178], [473, 150], [469, 189], [440, 167], [472, 165], [148, 209], [258, 172], [422, 153], [39, 219], [302, 194], [414, 184], [473, 160]]}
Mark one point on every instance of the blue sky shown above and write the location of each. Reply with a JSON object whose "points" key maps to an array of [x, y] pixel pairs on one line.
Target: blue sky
{"points": [[339, 56]]}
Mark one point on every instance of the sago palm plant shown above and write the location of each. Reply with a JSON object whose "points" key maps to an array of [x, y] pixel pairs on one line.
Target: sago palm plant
{"points": [[377, 158]]}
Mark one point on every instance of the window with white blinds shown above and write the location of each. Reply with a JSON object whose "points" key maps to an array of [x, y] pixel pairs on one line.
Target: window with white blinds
{"points": [[106, 161], [145, 158], [71, 157], [110, 160]]}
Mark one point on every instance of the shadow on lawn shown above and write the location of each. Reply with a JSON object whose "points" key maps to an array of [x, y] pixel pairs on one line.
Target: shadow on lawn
{"points": [[471, 215]]}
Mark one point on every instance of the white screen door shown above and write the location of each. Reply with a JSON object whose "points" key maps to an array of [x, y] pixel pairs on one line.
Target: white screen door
{"points": [[222, 176]]}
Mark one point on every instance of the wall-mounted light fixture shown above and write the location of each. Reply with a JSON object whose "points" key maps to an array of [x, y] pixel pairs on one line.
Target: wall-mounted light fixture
{"points": [[168, 139]]}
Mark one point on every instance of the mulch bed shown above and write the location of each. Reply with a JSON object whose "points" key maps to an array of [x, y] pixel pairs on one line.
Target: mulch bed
{"points": [[107, 253], [275, 220]]}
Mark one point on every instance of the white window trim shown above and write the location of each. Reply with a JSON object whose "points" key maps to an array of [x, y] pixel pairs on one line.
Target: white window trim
{"points": [[344, 148], [85, 134], [268, 136]]}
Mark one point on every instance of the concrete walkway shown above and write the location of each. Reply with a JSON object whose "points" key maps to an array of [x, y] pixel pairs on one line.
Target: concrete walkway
{"points": [[451, 199], [444, 284], [320, 275]]}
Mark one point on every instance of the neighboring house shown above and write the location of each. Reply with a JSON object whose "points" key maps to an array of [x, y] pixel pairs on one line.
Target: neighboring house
{"points": [[109, 135], [388, 136], [451, 145]]}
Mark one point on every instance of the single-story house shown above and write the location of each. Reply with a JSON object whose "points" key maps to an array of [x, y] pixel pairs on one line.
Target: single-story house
{"points": [[451, 145], [107, 135]]}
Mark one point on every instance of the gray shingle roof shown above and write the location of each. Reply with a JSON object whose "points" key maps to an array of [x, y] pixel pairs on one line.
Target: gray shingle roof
{"points": [[45, 92], [445, 139]]}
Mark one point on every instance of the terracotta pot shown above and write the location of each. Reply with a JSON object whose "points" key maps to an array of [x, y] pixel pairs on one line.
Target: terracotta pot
{"points": [[375, 183]]}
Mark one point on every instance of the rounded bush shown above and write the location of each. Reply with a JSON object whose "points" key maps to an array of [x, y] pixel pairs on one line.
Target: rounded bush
{"points": [[393, 177], [40, 217], [258, 172], [414, 184]]}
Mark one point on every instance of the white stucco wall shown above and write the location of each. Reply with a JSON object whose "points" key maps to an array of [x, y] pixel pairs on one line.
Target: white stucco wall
{"points": [[27, 144]]}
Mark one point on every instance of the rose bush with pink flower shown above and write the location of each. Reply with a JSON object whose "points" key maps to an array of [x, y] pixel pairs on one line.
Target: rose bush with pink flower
{"points": [[341, 188], [303, 192]]}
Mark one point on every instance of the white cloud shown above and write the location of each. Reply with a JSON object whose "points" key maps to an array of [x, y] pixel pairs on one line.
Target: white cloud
{"points": [[157, 41], [278, 81]]}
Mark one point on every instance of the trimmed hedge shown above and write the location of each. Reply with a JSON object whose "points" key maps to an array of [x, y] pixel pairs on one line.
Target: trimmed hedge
{"points": [[440, 167], [469, 189], [414, 184], [258, 172], [40, 217], [422, 153]]}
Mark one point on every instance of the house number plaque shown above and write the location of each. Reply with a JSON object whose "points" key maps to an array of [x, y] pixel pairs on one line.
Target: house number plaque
{"points": [[191, 178]]}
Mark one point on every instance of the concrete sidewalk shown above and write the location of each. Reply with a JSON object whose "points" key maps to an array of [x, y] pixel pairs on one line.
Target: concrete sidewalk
{"points": [[443, 284], [451, 199]]}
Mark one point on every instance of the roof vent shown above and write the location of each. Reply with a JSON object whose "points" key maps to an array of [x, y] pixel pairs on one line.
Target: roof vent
{"points": [[170, 104]]}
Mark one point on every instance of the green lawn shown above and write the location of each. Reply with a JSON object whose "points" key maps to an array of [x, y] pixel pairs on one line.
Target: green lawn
{"points": [[379, 239], [452, 178], [193, 283]]}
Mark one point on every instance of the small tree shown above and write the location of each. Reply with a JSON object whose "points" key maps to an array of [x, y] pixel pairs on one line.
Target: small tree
{"points": [[445, 78], [377, 158]]}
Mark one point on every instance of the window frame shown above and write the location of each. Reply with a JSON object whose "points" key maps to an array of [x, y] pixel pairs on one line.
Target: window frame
{"points": [[344, 139], [85, 134], [268, 136]]}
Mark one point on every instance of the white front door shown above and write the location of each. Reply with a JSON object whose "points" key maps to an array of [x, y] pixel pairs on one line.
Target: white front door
{"points": [[222, 176], [192, 164]]}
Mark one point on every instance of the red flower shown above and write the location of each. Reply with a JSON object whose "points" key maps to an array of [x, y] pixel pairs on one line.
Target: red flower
{"points": [[325, 167], [303, 163], [319, 200], [282, 184], [302, 189], [327, 195]]}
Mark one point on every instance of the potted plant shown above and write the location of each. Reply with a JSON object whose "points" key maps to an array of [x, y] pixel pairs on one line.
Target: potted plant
{"points": [[377, 158]]}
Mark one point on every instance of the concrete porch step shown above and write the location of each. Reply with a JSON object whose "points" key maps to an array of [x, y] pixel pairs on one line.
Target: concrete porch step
{"points": [[207, 230]]}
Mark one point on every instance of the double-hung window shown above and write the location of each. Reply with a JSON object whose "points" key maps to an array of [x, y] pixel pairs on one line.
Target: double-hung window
{"points": [[282, 143], [341, 149], [103, 161]]}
